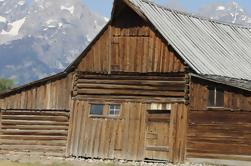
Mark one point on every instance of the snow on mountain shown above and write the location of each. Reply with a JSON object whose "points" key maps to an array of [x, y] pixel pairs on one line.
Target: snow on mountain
{"points": [[2, 19], [48, 34], [220, 8], [15, 27], [70, 9], [21, 3], [230, 12]]}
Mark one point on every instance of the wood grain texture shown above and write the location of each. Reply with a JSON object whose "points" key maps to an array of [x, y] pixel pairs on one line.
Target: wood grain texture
{"points": [[107, 137], [178, 133], [54, 94], [129, 44], [122, 137], [219, 132], [119, 85], [157, 135], [234, 99], [30, 131]]}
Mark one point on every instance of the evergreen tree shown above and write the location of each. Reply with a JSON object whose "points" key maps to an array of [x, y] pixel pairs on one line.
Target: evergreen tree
{"points": [[6, 84]]}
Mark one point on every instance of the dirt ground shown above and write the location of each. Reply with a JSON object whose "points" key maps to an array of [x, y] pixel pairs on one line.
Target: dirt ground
{"points": [[84, 163], [42, 161]]}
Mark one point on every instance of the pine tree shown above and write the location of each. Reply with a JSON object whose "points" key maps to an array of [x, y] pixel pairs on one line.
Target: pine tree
{"points": [[6, 84]]}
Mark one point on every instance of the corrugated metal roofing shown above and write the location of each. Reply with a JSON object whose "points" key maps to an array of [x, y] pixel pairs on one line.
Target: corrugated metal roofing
{"points": [[208, 46], [234, 82]]}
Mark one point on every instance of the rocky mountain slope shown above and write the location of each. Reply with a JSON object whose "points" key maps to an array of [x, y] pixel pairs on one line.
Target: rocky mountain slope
{"points": [[230, 12], [43, 37]]}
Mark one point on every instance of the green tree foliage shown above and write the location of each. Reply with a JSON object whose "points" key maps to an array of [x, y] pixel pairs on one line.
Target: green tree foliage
{"points": [[6, 84]]}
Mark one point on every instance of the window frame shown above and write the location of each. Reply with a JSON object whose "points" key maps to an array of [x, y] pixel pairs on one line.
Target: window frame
{"points": [[109, 110], [216, 92], [90, 109], [106, 110], [160, 106]]}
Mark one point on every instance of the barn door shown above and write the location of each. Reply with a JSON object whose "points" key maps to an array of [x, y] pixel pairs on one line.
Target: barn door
{"points": [[157, 134]]}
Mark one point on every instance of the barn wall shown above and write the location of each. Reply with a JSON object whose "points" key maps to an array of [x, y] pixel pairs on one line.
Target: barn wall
{"points": [[122, 137], [33, 132], [54, 94], [219, 133], [130, 45], [234, 99], [168, 87], [36, 119]]}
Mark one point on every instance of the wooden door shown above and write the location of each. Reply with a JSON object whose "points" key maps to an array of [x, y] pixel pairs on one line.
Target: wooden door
{"points": [[157, 135]]}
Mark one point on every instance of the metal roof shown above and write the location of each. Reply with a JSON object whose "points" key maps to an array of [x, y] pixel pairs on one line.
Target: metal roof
{"points": [[233, 82], [207, 46]]}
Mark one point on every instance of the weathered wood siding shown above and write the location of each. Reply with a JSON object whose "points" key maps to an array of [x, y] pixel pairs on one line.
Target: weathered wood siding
{"points": [[55, 94], [122, 137], [129, 44], [34, 132], [168, 87], [234, 99], [219, 135]]}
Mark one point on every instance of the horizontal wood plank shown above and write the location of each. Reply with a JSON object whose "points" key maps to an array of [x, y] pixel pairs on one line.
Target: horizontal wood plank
{"points": [[30, 131], [219, 132]]}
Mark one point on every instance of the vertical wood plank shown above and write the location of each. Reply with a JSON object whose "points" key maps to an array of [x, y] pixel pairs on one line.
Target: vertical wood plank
{"points": [[109, 42], [178, 130], [70, 130]]}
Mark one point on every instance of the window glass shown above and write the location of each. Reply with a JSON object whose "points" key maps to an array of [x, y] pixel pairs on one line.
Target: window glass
{"points": [[215, 97], [159, 106], [114, 109], [97, 109], [219, 98], [211, 96]]}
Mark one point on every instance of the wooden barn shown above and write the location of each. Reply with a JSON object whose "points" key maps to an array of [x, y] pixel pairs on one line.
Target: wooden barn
{"points": [[155, 84]]}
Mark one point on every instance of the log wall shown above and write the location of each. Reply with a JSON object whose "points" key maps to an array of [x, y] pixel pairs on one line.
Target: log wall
{"points": [[122, 137], [167, 87], [219, 135], [129, 44], [54, 94], [33, 132]]}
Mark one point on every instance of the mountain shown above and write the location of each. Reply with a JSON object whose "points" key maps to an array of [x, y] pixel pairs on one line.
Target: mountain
{"points": [[230, 12], [44, 37]]}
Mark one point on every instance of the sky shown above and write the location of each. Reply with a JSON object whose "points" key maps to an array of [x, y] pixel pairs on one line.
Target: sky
{"points": [[104, 6]]}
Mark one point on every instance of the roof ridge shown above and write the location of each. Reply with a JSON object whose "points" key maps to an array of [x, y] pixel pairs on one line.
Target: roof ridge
{"points": [[197, 16]]}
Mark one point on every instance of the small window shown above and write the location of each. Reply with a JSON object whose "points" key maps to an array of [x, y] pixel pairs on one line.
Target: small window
{"points": [[114, 109], [215, 97], [158, 106], [97, 109], [159, 112], [105, 110]]}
